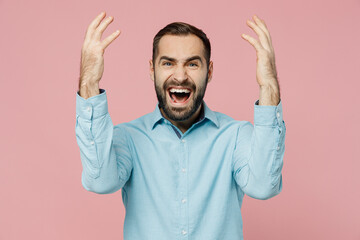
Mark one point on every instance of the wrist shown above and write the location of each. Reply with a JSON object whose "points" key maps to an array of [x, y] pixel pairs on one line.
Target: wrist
{"points": [[272, 86], [269, 95], [88, 89]]}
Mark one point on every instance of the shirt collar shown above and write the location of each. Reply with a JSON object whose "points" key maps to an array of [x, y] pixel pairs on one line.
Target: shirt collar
{"points": [[205, 113]]}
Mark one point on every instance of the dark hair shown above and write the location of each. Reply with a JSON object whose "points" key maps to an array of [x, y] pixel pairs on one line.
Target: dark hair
{"points": [[182, 29]]}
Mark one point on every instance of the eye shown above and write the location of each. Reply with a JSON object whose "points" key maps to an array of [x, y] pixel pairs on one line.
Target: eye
{"points": [[167, 63], [193, 64]]}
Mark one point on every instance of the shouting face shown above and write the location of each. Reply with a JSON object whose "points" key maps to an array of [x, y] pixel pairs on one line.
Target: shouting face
{"points": [[180, 75]]}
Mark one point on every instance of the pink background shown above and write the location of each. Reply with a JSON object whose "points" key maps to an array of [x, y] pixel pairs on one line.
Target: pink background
{"points": [[317, 56]]}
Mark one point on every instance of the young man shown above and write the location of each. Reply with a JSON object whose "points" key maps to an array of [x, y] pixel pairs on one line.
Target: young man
{"points": [[183, 168]]}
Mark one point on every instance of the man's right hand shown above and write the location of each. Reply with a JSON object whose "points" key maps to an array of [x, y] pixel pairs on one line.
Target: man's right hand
{"points": [[92, 59]]}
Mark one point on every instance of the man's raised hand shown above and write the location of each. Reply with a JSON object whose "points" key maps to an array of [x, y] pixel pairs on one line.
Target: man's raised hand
{"points": [[266, 73], [92, 59]]}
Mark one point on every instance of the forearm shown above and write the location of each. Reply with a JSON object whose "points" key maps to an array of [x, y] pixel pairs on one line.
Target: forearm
{"points": [[269, 95], [266, 162], [98, 158], [88, 89], [104, 154], [258, 156]]}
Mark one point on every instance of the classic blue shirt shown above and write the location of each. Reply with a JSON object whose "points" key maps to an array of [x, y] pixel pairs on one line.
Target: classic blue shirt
{"points": [[181, 185]]}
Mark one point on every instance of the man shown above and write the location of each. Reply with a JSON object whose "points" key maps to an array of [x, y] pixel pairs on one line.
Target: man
{"points": [[183, 168]]}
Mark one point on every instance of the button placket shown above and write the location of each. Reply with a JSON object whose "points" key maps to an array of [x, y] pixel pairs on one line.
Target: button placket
{"points": [[183, 187]]}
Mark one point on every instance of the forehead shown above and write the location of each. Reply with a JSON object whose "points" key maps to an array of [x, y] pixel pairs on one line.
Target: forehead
{"points": [[180, 47]]}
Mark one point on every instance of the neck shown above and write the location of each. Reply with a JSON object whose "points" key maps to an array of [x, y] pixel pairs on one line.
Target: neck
{"points": [[186, 124]]}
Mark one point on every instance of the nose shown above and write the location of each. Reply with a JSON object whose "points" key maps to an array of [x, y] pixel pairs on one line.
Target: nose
{"points": [[180, 74]]}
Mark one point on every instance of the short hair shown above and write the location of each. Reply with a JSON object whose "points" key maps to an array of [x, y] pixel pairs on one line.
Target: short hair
{"points": [[182, 29]]}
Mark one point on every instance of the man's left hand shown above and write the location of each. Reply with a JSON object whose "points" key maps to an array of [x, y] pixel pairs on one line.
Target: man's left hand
{"points": [[266, 73]]}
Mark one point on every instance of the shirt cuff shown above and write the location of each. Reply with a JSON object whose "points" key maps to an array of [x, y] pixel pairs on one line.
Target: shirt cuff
{"points": [[93, 107], [268, 115]]}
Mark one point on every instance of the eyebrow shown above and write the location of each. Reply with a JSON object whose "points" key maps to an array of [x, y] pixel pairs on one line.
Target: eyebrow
{"points": [[196, 57]]}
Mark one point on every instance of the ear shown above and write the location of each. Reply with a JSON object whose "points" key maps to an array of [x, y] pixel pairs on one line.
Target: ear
{"points": [[151, 70], [210, 71]]}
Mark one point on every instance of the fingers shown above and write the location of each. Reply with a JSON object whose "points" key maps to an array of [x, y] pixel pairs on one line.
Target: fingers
{"points": [[97, 28], [110, 38], [94, 24], [262, 25], [261, 30], [101, 28], [253, 42]]}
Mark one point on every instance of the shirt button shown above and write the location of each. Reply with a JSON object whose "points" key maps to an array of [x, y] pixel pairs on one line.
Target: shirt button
{"points": [[278, 148], [88, 109], [183, 232], [183, 140], [183, 169], [278, 114], [183, 201], [92, 142]]}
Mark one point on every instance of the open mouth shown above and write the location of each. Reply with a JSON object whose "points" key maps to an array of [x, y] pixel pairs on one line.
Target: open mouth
{"points": [[179, 95]]}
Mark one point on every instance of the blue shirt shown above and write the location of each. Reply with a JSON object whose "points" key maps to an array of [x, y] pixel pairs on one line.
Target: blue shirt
{"points": [[181, 185]]}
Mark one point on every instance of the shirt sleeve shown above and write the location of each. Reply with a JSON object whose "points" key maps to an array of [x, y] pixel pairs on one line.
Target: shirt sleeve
{"points": [[259, 151], [104, 151]]}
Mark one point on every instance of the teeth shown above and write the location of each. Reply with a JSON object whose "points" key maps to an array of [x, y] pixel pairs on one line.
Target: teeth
{"points": [[173, 90]]}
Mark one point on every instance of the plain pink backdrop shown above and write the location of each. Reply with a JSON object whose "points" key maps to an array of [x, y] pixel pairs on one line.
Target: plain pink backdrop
{"points": [[317, 56]]}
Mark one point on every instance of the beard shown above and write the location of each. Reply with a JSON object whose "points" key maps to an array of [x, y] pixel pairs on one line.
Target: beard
{"points": [[180, 113]]}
